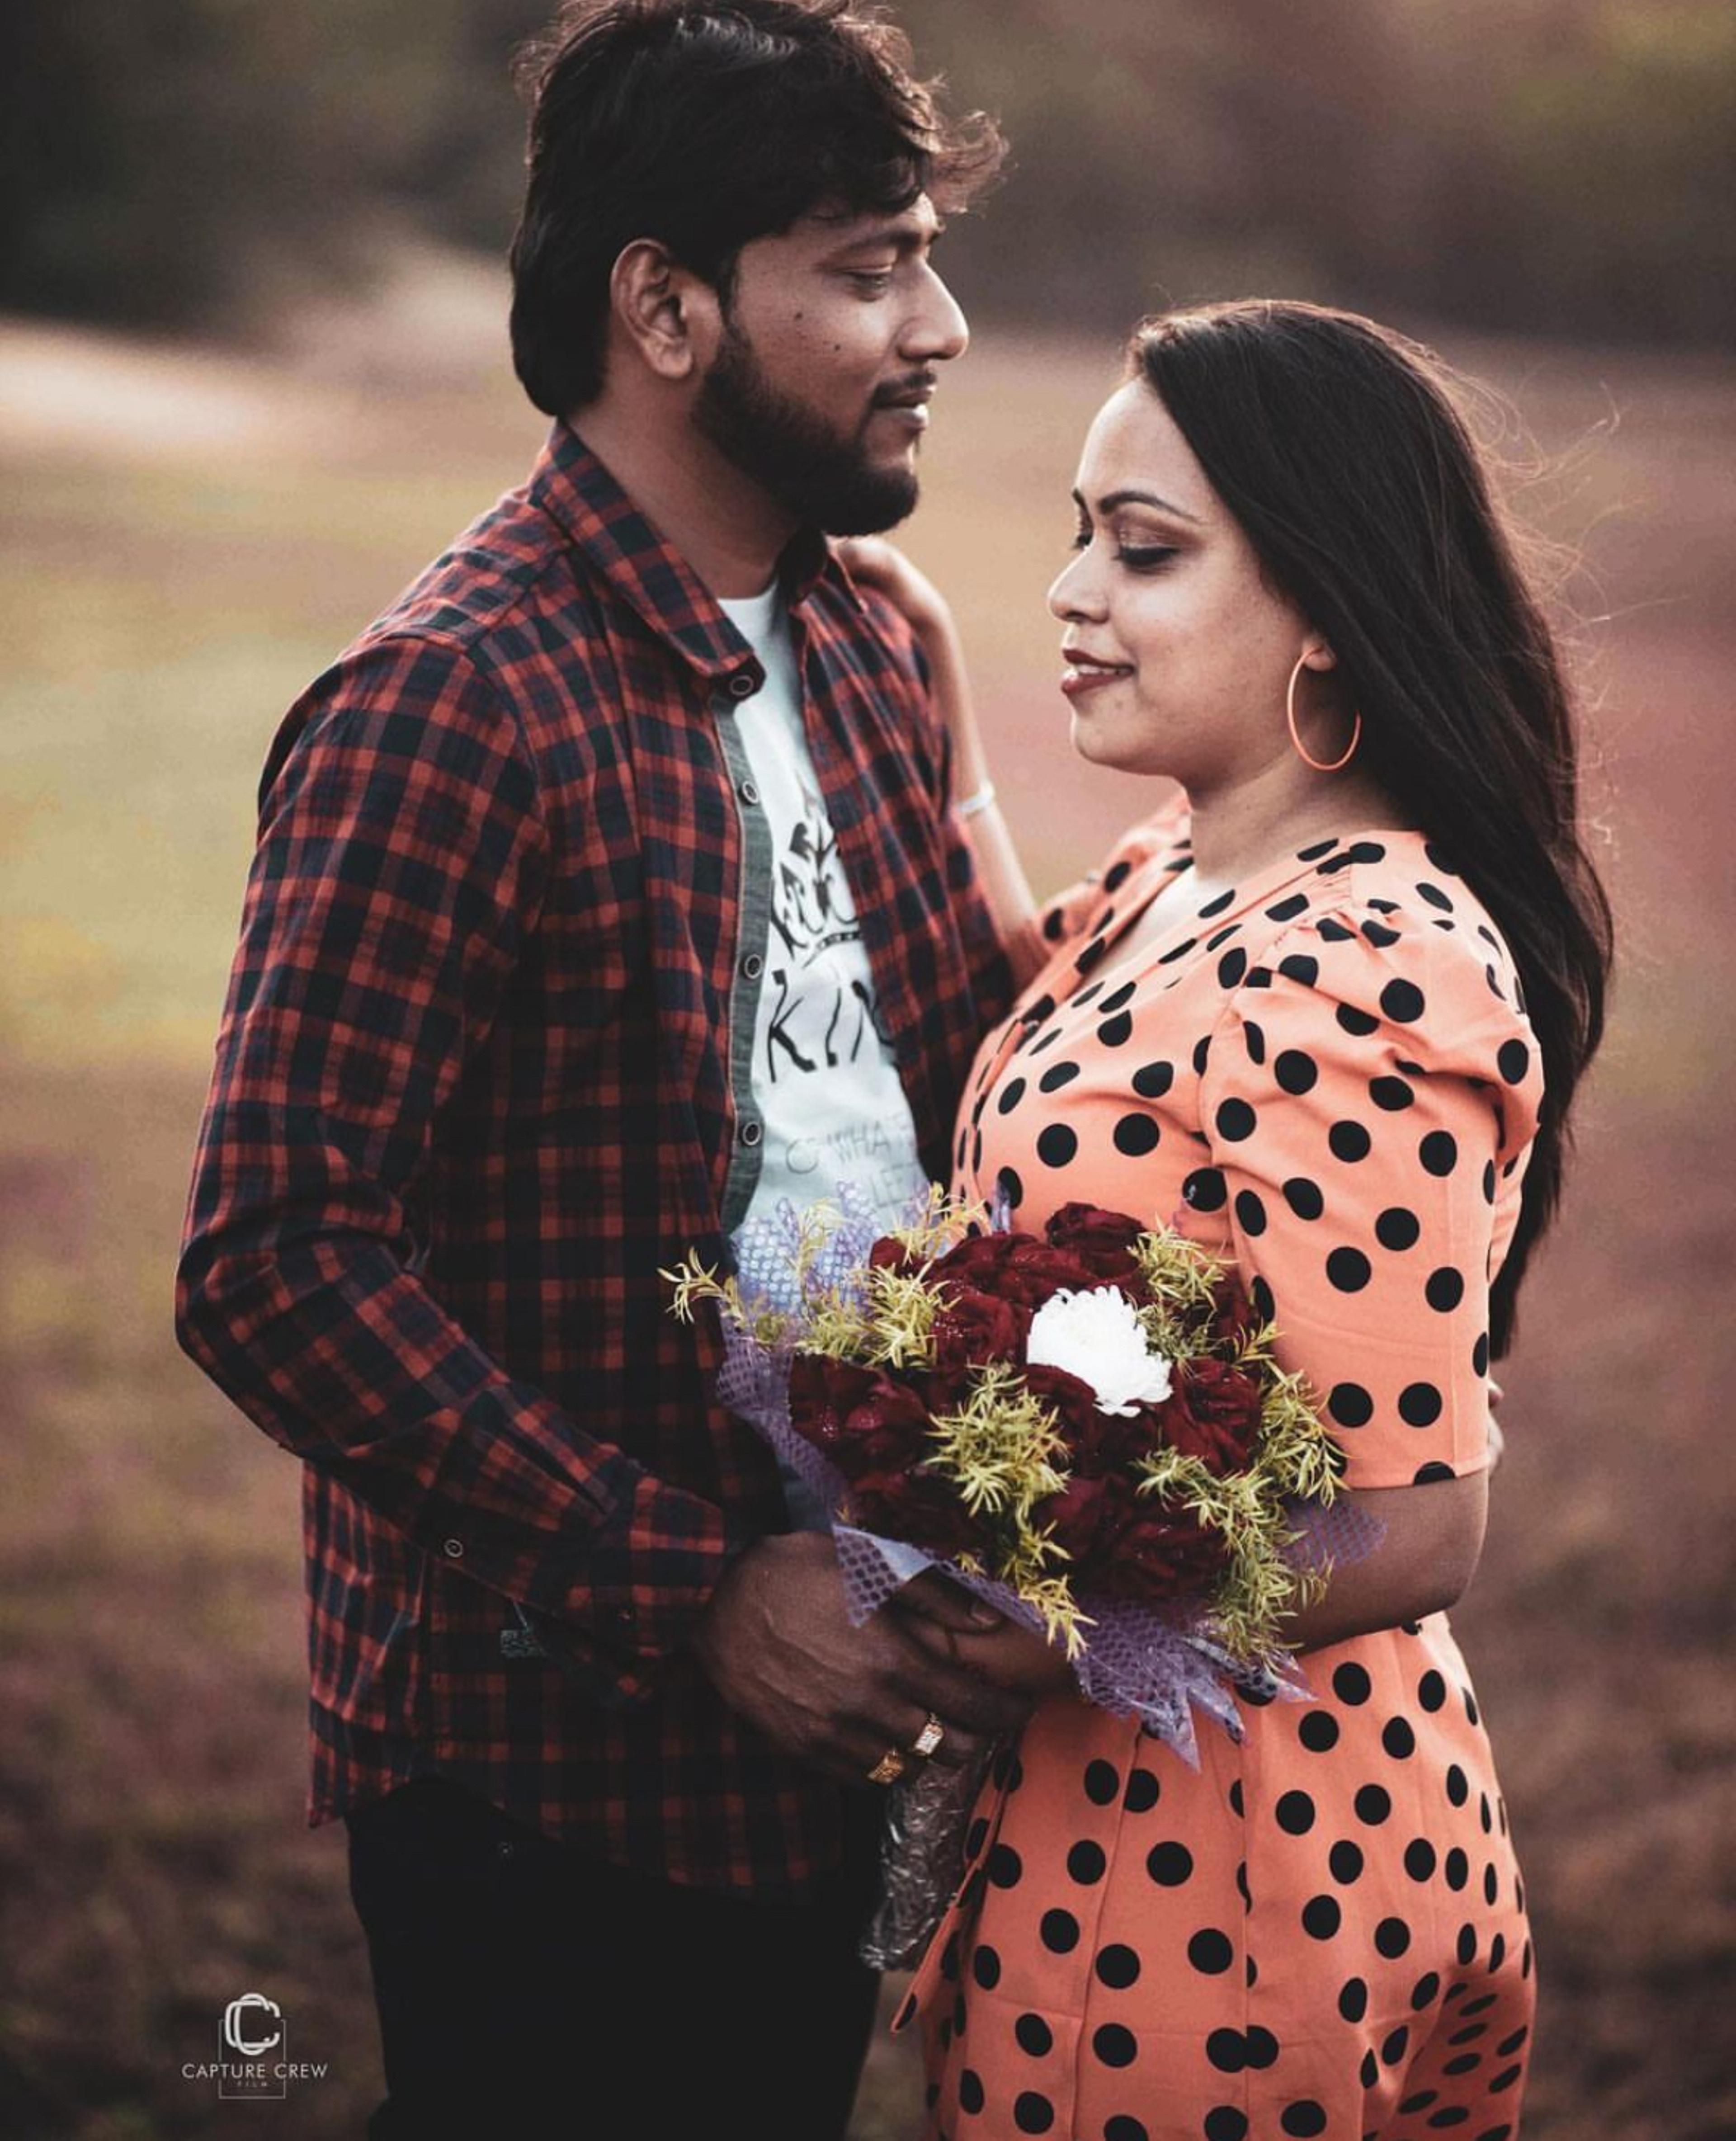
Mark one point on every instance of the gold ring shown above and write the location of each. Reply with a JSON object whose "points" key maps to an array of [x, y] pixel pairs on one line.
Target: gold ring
{"points": [[888, 1769], [929, 1738]]}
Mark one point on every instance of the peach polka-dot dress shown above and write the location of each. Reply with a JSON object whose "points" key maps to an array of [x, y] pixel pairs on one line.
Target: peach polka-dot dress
{"points": [[1327, 1073]]}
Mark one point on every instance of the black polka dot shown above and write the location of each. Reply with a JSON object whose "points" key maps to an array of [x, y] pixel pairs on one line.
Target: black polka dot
{"points": [[1295, 1812], [1151, 1081], [1480, 1355], [1444, 1289], [1059, 1931], [1457, 1869], [1360, 1023], [1117, 1966], [1204, 1189], [1057, 1144], [1419, 1405], [985, 1968], [1431, 1475], [1103, 1780], [1403, 1003], [1295, 1071], [1301, 968], [1005, 1867], [1431, 1690], [1210, 1952], [1236, 1121], [1169, 1864], [1369, 2070], [970, 2091], [1346, 1863], [1466, 1948], [1395, 2046], [1115, 2044], [1011, 1093], [1390, 1094], [1304, 2117], [1217, 903], [1287, 910], [1136, 1135], [1350, 1405], [1512, 1059], [1398, 1738], [1349, 1270], [1353, 2000], [1250, 1213], [1032, 2112], [1261, 2048], [1318, 1731], [1392, 1937], [1231, 967], [1378, 933], [1373, 1804], [1423, 1992], [1439, 1152], [1226, 2050], [1304, 1197], [1114, 1033], [1336, 933], [1420, 1859], [1223, 2122], [1057, 1075], [1007, 1181], [1033, 2035], [1141, 1795], [1116, 875], [1351, 1683], [1178, 951], [1349, 1141], [1321, 1917], [1085, 1863], [1397, 1229], [1255, 1036], [1124, 2128]]}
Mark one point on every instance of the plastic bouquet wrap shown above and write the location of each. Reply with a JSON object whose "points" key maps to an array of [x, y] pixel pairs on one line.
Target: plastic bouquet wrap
{"points": [[1088, 1429]]}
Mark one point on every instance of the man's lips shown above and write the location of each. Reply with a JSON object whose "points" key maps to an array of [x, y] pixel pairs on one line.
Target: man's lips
{"points": [[909, 403]]}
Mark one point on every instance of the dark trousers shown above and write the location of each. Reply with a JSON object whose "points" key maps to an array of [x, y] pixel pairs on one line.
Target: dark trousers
{"points": [[527, 1989]]}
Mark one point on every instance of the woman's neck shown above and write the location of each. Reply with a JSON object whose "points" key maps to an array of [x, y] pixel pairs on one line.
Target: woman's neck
{"points": [[1238, 831]]}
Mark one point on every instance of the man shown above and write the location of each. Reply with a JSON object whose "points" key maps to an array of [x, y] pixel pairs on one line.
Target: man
{"points": [[608, 888]]}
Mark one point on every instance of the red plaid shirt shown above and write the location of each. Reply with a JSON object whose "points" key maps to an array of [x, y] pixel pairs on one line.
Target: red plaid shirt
{"points": [[473, 1087]]}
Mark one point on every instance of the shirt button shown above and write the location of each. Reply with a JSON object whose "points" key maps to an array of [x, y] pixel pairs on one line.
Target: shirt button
{"points": [[752, 966], [748, 792], [742, 686], [453, 1548], [752, 1133]]}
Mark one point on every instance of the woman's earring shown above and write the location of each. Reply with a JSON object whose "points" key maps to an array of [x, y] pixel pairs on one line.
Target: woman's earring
{"points": [[1338, 765]]}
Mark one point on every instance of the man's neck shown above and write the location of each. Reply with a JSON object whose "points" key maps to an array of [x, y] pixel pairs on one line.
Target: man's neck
{"points": [[722, 523]]}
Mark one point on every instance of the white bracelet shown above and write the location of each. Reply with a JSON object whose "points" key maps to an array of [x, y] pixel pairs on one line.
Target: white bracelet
{"points": [[981, 801]]}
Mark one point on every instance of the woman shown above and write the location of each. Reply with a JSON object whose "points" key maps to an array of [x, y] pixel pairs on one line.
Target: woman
{"points": [[1310, 1013]]}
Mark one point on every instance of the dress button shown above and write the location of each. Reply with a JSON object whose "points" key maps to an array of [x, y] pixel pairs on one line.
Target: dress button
{"points": [[748, 792], [752, 1133], [742, 686], [453, 1548], [752, 966]]}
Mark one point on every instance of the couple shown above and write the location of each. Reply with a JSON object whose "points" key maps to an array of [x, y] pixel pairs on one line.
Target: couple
{"points": [[640, 868]]}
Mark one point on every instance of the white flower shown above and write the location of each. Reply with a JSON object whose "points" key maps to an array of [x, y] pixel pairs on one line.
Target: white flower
{"points": [[1097, 1336]]}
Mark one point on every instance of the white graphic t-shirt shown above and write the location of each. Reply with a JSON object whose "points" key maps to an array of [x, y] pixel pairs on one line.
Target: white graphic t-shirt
{"points": [[825, 1082]]}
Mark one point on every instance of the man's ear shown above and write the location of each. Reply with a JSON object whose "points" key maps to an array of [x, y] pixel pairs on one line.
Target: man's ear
{"points": [[665, 313]]}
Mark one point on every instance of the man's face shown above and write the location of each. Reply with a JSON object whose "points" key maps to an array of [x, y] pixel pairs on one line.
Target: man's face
{"points": [[833, 337]]}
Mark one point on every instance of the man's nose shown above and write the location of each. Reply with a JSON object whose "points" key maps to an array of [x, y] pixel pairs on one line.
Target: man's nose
{"points": [[936, 329]]}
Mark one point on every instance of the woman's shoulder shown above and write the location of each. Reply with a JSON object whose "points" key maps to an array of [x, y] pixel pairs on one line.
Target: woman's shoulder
{"points": [[1390, 951]]}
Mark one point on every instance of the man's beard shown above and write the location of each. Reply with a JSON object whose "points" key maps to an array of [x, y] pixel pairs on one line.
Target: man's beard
{"points": [[819, 477]]}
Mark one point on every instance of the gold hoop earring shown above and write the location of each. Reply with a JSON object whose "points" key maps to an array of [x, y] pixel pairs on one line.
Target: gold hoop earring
{"points": [[1320, 765]]}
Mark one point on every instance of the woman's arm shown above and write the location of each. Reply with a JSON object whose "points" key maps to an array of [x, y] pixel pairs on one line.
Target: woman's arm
{"points": [[877, 564]]}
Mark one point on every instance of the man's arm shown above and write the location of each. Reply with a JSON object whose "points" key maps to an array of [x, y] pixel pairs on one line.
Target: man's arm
{"points": [[400, 867]]}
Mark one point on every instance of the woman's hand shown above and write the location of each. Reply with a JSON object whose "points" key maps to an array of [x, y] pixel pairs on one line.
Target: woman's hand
{"points": [[877, 563], [1011, 1655]]}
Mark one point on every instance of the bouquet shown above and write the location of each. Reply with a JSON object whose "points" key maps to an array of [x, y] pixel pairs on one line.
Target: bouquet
{"points": [[1088, 1429]]}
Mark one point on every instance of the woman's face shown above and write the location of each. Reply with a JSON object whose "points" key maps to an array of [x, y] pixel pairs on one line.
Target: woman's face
{"points": [[1178, 651]]}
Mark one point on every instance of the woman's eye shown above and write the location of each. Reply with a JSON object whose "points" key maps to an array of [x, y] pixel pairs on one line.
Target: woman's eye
{"points": [[1145, 557], [1081, 541]]}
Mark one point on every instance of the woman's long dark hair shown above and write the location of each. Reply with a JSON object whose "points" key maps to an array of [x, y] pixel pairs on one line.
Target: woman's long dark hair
{"points": [[1338, 447]]}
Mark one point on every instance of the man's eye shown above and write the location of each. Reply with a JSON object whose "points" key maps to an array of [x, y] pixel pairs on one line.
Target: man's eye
{"points": [[871, 281]]}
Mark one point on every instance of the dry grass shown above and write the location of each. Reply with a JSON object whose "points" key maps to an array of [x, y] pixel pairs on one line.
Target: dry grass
{"points": [[183, 544]]}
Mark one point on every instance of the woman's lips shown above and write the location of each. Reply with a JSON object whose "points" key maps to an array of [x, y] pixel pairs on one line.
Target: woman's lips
{"points": [[1081, 676]]}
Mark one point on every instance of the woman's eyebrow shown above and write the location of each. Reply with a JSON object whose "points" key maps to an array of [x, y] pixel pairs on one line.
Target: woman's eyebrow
{"points": [[1128, 496]]}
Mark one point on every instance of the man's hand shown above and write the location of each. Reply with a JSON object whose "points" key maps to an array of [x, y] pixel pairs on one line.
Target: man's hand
{"points": [[778, 1647], [1008, 1653]]}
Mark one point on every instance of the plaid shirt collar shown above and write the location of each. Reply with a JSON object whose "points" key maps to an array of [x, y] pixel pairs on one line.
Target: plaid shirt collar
{"points": [[572, 485]]}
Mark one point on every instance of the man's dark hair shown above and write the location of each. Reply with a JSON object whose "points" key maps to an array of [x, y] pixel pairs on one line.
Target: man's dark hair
{"points": [[706, 123]]}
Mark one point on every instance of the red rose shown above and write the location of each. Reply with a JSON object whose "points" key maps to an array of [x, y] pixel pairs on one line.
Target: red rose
{"points": [[1234, 1317], [1089, 1516], [916, 1505], [1159, 1557], [889, 1255], [1015, 1268], [1097, 1441], [974, 1328], [861, 1418], [1212, 1413], [1102, 1241]]}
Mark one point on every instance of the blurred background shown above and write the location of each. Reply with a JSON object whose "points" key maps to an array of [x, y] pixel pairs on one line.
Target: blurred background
{"points": [[253, 373]]}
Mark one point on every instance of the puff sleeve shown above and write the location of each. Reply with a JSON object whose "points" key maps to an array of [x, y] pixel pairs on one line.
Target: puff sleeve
{"points": [[1368, 1099]]}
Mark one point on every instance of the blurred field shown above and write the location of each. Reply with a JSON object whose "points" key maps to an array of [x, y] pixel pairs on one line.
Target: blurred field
{"points": [[186, 538]]}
